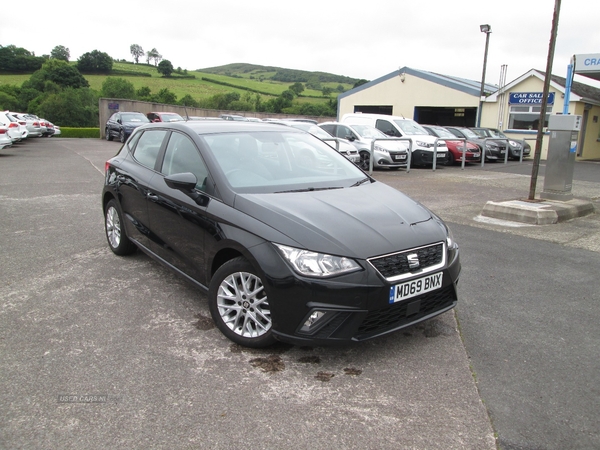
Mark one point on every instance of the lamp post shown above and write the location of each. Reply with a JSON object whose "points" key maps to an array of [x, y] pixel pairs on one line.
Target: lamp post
{"points": [[487, 29]]}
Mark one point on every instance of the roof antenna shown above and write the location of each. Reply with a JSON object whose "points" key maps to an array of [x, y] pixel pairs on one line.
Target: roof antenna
{"points": [[187, 117]]}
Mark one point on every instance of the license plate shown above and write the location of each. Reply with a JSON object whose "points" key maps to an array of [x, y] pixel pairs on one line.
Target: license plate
{"points": [[400, 157], [416, 287], [441, 155]]}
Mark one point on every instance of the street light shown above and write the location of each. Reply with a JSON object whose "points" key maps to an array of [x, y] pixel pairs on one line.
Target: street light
{"points": [[487, 29]]}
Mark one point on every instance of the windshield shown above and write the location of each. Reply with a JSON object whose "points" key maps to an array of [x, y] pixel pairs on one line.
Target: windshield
{"points": [[368, 132], [134, 117], [442, 132], [410, 127], [280, 161], [469, 133], [171, 117], [497, 134], [312, 129]]}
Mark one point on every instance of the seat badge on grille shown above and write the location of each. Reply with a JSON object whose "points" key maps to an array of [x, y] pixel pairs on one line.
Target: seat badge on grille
{"points": [[413, 260]]}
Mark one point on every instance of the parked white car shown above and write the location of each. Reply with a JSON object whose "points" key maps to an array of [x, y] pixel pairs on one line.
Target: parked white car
{"points": [[16, 131], [423, 143], [32, 125], [392, 155], [5, 140]]}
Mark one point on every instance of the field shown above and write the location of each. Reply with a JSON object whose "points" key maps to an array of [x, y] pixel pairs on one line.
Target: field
{"points": [[233, 78]]}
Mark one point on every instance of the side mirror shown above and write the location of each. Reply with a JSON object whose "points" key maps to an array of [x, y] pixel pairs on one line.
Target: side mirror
{"points": [[185, 182], [350, 137]]}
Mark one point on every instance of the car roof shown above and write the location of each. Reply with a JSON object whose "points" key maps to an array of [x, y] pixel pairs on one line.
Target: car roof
{"points": [[220, 126]]}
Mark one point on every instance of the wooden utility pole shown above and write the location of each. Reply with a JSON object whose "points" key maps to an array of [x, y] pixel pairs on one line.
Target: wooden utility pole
{"points": [[540, 132]]}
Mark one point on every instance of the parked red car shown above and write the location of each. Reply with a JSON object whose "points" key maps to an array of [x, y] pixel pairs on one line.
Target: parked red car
{"points": [[455, 148], [164, 117]]}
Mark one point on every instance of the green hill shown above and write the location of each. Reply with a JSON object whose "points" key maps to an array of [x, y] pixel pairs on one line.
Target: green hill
{"points": [[204, 83]]}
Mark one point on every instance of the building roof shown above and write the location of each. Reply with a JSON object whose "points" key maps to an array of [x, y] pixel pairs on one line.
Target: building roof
{"points": [[460, 84], [580, 92]]}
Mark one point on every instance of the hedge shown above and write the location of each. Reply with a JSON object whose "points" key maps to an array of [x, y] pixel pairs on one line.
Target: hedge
{"points": [[66, 132]]}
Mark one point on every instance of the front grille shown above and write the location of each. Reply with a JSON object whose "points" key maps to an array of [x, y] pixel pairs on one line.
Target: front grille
{"points": [[395, 316], [396, 265]]}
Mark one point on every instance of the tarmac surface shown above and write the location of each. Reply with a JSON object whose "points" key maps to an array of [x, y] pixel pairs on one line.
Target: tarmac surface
{"points": [[105, 352]]}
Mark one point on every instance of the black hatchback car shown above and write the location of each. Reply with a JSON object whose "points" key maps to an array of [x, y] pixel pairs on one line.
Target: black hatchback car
{"points": [[285, 249], [121, 124]]}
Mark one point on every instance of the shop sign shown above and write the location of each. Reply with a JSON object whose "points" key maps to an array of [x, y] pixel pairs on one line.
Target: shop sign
{"points": [[529, 98], [587, 63]]}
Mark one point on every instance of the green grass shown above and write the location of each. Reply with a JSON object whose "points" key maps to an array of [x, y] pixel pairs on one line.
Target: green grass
{"points": [[248, 78]]}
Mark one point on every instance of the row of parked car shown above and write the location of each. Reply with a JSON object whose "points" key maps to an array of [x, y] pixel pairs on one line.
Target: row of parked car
{"points": [[354, 134], [15, 127]]}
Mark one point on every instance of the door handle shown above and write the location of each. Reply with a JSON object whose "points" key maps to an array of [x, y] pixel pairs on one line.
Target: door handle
{"points": [[152, 197]]}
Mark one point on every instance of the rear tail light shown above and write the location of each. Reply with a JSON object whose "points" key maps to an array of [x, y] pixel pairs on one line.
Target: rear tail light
{"points": [[3, 130], [23, 123], [13, 125], [36, 124], [106, 166]]}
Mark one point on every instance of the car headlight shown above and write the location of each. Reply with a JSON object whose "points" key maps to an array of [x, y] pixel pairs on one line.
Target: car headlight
{"points": [[514, 144], [490, 146], [423, 144], [312, 264], [379, 148], [452, 244]]}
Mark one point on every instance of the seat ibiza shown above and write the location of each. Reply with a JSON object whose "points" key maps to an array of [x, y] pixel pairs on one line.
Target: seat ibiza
{"points": [[301, 250]]}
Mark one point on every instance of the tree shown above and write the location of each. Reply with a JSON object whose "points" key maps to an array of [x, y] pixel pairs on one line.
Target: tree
{"points": [[360, 83], [60, 52], [144, 93], [165, 96], [71, 107], [188, 100], [18, 59], [8, 101], [118, 88], [326, 91], [95, 62], [297, 88], [136, 51], [57, 72], [165, 68], [153, 55]]}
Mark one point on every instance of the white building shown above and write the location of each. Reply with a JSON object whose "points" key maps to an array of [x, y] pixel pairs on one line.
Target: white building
{"points": [[431, 98]]}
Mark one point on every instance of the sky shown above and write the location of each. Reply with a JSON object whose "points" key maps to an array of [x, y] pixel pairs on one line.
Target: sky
{"points": [[359, 39]]}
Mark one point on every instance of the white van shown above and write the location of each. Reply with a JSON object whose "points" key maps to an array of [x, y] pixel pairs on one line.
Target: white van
{"points": [[395, 126]]}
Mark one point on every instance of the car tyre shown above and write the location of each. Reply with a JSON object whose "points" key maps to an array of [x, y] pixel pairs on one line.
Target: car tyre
{"points": [[451, 159], [114, 227], [107, 135], [365, 157], [239, 306], [122, 136]]}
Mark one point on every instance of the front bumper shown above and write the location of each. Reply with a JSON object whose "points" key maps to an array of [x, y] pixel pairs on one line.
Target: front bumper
{"points": [[425, 157], [354, 307], [390, 159]]}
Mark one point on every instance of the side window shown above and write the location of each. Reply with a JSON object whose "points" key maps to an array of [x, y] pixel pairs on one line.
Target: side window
{"points": [[455, 132], [329, 129], [148, 146], [387, 128], [343, 132], [182, 156]]}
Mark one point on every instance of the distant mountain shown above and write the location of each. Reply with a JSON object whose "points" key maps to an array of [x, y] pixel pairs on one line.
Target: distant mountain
{"points": [[253, 71]]}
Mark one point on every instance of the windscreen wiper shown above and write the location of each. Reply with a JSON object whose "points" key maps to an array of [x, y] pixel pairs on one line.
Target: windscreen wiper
{"points": [[359, 182], [310, 189]]}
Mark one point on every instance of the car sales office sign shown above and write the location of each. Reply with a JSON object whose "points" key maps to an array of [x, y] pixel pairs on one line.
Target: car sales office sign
{"points": [[529, 98]]}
